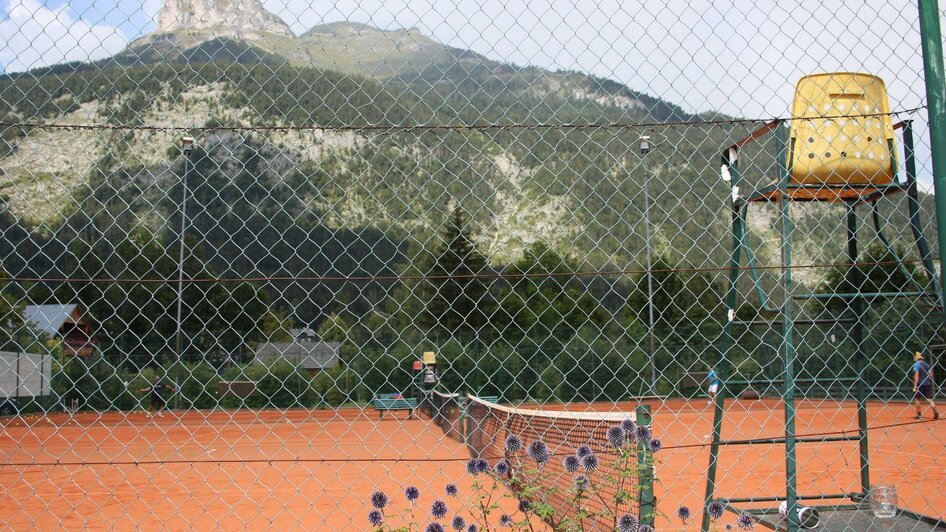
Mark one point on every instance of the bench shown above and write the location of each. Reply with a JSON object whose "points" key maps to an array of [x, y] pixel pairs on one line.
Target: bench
{"points": [[693, 379], [240, 389], [384, 402]]}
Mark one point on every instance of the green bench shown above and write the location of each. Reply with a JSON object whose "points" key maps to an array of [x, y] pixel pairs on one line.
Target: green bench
{"points": [[384, 402]]}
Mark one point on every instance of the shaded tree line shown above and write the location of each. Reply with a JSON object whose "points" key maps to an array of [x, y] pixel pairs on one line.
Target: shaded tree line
{"points": [[532, 329]]}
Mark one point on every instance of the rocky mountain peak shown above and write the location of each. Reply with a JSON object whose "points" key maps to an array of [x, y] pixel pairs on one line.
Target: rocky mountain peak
{"points": [[245, 19]]}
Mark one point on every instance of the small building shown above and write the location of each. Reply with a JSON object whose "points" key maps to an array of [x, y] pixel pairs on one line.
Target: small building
{"points": [[312, 356], [304, 334], [66, 322]]}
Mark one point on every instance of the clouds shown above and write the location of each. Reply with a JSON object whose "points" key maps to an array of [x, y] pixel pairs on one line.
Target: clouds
{"points": [[741, 58], [34, 35]]}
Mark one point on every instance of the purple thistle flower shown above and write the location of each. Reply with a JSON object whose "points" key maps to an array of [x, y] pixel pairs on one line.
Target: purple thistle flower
{"points": [[513, 443], [616, 437], [715, 510], [379, 500], [571, 463], [471, 466], [539, 451], [728, 526], [581, 482], [628, 425], [590, 462], [438, 509], [375, 518], [683, 513], [745, 522], [411, 493], [482, 466], [655, 445], [643, 433], [505, 520], [435, 527], [501, 468], [471, 528], [645, 528], [452, 490], [627, 523], [583, 451], [524, 505], [458, 523]]}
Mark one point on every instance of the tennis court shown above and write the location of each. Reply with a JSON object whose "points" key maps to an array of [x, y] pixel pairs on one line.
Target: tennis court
{"points": [[295, 467], [222, 469]]}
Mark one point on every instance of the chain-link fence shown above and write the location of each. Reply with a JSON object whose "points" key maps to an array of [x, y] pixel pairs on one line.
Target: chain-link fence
{"points": [[480, 265]]}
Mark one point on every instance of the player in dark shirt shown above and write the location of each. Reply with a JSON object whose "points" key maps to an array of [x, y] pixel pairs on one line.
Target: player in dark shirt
{"points": [[923, 385], [155, 391]]}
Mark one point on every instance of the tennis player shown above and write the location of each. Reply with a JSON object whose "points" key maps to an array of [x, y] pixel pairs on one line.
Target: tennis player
{"points": [[157, 399], [713, 379], [922, 385]]}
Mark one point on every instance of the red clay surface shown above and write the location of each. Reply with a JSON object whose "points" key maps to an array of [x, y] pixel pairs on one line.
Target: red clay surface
{"points": [[267, 468], [251, 469], [911, 456]]}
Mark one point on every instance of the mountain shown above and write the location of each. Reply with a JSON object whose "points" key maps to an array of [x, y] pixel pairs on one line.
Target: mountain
{"points": [[241, 19], [344, 46], [348, 201]]}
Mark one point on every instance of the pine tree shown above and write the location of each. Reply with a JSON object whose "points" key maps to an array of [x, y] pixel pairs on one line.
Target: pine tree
{"points": [[456, 300]]}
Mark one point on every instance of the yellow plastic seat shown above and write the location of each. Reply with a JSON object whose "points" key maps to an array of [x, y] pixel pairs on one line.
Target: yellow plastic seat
{"points": [[856, 146]]}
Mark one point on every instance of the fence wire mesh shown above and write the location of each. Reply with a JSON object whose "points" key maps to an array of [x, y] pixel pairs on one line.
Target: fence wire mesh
{"points": [[481, 265]]}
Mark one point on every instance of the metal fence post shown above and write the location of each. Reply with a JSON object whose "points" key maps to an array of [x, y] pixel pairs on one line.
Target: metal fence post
{"points": [[931, 43], [645, 464]]}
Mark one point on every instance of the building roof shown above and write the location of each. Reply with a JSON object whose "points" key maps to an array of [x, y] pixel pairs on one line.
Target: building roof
{"points": [[309, 355], [49, 318], [305, 333]]}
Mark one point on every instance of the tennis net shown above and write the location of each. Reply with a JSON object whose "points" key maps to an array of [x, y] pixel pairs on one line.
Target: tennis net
{"points": [[444, 410], [488, 425]]}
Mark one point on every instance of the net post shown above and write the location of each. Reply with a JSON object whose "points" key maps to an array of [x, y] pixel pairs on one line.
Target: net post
{"points": [[462, 404], [645, 465]]}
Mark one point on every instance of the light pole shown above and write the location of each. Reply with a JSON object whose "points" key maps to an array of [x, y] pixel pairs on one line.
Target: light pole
{"points": [[187, 146], [645, 149]]}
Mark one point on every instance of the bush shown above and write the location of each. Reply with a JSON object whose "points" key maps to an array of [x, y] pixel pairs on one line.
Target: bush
{"points": [[330, 387], [245, 372], [94, 383], [505, 378], [278, 385], [550, 383], [198, 386], [382, 371]]}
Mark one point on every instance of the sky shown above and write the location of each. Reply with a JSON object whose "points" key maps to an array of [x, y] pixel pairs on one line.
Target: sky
{"points": [[741, 58]]}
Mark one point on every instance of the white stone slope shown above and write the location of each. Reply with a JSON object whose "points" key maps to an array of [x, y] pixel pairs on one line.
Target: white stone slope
{"points": [[244, 19]]}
